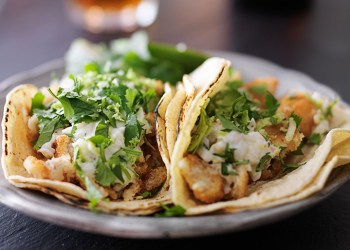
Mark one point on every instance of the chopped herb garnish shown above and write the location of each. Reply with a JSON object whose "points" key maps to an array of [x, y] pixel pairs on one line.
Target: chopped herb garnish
{"points": [[263, 161], [132, 130], [104, 175], [291, 166], [329, 109], [271, 104], [258, 89], [230, 161], [296, 118], [315, 139], [287, 167], [67, 107], [299, 150], [171, 211], [38, 101], [93, 194], [201, 130]]}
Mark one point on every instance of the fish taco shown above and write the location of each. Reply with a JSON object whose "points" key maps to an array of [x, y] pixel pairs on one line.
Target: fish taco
{"points": [[90, 142], [242, 147]]}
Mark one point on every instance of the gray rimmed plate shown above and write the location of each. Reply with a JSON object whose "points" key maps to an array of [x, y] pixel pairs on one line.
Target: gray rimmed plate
{"points": [[46, 208]]}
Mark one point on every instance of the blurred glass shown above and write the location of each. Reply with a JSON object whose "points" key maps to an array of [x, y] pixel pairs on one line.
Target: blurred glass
{"points": [[112, 15]]}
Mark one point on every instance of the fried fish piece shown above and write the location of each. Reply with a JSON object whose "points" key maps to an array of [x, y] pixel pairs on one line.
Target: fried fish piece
{"points": [[205, 181], [302, 106]]}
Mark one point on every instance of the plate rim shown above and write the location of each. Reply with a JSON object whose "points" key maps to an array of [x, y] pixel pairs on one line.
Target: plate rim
{"points": [[12, 196]]}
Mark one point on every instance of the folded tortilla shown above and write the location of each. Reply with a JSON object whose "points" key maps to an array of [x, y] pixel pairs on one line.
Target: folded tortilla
{"points": [[17, 146], [309, 178]]}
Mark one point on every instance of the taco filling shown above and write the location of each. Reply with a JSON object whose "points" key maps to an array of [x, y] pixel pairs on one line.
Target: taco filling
{"points": [[244, 134], [97, 131]]}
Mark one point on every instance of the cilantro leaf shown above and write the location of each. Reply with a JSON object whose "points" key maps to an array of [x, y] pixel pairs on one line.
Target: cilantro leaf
{"points": [[67, 107], [263, 161], [221, 103], [150, 100], [152, 193], [271, 104], [228, 125], [258, 89], [288, 167], [230, 161], [130, 97], [104, 175], [92, 67], [291, 166], [202, 130], [299, 150], [329, 109], [37, 101], [93, 194], [171, 211], [296, 118], [81, 109], [47, 127], [225, 171], [102, 129], [315, 139], [132, 151], [98, 140], [132, 130]]}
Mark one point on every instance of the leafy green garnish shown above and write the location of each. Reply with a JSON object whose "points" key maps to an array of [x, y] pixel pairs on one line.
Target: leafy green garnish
{"points": [[271, 104], [201, 130], [291, 166], [67, 107], [92, 194], [82, 110], [37, 101], [230, 161], [99, 140], [171, 211], [221, 103], [152, 193], [229, 126], [329, 109], [315, 139], [92, 67], [263, 161], [288, 167], [46, 131], [299, 150], [296, 118], [132, 130], [130, 96], [121, 162], [102, 129], [258, 89], [104, 175]]}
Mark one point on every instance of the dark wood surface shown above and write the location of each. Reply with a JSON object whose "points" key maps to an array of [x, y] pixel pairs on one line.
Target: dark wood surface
{"points": [[313, 37]]}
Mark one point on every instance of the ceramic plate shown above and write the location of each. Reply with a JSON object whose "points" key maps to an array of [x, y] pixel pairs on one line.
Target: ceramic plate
{"points": [[47, 208]]}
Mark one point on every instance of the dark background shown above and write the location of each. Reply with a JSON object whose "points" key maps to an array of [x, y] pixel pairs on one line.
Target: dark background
{"points": [[309, 36]]}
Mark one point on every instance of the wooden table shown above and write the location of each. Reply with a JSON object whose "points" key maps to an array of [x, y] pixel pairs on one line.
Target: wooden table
{"points": [[313, 37]]}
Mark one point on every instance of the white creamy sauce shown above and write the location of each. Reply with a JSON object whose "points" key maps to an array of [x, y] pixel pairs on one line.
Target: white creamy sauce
{"points": [[89, 155], [117, 137], [251, 147], [85, 130]]}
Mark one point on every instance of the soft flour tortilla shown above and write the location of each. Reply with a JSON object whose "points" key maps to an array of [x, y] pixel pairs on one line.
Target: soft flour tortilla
{"points": [[218, 69], [17, 147], [304, 181], [161, 129]]}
